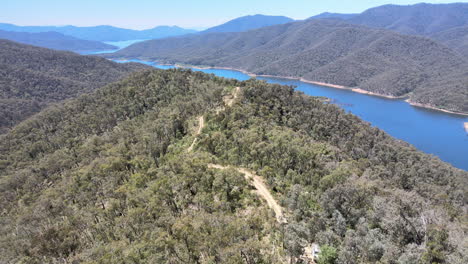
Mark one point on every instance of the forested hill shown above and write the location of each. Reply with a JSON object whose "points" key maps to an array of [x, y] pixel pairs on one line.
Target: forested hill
{"points": [[247, 23], [335, 52], [421, 19], [108, 178], [31, 78], [54, 40], [446, 23], [455, 38]]}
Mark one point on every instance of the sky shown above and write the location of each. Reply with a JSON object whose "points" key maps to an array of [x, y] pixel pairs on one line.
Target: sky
{"points": [[142, 14]]}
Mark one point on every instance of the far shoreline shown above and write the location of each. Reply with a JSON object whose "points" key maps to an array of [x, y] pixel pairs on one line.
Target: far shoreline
{"points": [[330, 85], [356, 90]]}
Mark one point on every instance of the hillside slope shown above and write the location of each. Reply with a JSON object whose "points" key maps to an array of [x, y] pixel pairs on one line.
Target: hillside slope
{"points": [[455, 38], [103, 33], [379, 61], [419, 19], [54, 40], [31, 78], [247, 23], [106, 178]]}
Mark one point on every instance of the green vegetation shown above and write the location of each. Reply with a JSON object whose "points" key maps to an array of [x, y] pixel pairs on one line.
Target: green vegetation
{"points": [[419, 19], [328, 255], [106, 178], [445, 23], [376, 60], [31, 78], [455, 38]]}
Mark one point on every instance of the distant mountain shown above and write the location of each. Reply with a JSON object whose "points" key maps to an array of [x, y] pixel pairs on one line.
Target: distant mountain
{"points": [[419, 19], [330, 51], [103, 33], [54, 40], [328, 15], [246, 23], [32, 78]]}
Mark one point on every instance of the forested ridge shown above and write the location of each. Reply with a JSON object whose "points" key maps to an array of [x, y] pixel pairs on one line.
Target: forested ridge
{"points": [[455, 38], [107, 178], [31, 78], [445, 23], [419, 19], [329, 51]]}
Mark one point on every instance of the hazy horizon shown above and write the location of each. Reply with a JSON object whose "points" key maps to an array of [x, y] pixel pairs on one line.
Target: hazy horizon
{"points": [[145, 14]]}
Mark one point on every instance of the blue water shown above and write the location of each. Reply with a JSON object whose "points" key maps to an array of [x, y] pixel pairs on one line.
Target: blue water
{"points": [[433, 132], [119, 44]]}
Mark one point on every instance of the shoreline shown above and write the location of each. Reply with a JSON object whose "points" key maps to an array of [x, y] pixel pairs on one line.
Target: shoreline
{"points": [[336, 86], [356, 90], [436, 109]]}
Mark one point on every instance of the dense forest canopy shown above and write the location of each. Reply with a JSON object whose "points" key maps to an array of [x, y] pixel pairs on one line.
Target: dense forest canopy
{"points": [[420, 19], [330, 51], [107, 178], [32, 78], [445, 23]]}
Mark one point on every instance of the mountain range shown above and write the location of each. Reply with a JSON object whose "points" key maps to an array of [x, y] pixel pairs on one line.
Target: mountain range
{"points": [[54, 40], [420, 19], [103, 33], [31, 78], [328, 51], [247, 23], [445, 23]]}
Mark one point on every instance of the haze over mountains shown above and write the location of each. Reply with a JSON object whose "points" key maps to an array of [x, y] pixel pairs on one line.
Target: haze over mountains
{"points": [[246, 23], [375, 60], [54, 40], [103, 33], [328, 15], [31, 78]]}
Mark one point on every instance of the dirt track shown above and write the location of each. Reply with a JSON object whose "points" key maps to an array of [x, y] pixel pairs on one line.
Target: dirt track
{"points": [[260, 188], [201, 125], [257, 181]]}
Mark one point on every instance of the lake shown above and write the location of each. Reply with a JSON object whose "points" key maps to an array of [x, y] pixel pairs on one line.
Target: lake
{"points": [[431, 131], [120, 44]]}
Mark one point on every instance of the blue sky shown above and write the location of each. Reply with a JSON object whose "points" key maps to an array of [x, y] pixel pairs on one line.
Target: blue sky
{"points": [[140, 14]]}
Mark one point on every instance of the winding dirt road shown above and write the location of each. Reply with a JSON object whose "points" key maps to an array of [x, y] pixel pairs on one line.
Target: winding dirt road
{"points": [[201, 125], [260, 187], [258, 183], [255, 180]]}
